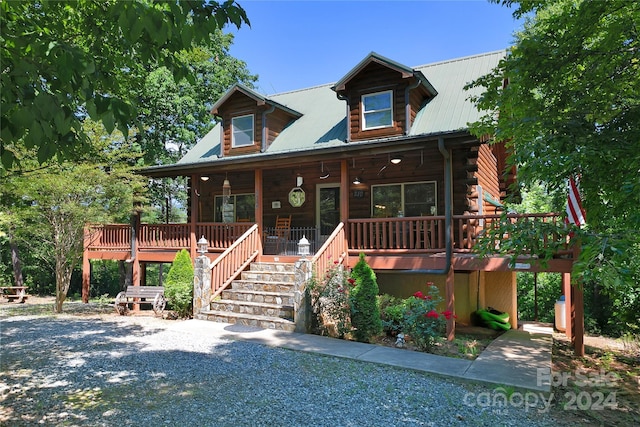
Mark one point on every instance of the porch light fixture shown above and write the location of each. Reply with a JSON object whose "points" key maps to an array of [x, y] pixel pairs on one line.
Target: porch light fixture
{"points": [[396, 159], [323, 175], [203, 246], [303, 247], [204, 178], [226, 188], [357, 180]]}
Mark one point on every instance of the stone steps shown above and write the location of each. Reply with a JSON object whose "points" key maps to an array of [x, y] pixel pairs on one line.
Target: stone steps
{"points": [[262, 297]]}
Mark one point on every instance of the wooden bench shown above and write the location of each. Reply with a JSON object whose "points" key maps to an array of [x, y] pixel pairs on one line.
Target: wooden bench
{"points": [[18, 293], [153, 295]]}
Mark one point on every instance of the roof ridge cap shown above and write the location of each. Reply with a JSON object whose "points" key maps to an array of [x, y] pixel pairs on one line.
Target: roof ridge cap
{"points": [[463, 58], [303, 89]]}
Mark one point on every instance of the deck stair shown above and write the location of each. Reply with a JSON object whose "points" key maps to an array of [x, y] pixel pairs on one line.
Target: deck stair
{"points": [[262, 297]]}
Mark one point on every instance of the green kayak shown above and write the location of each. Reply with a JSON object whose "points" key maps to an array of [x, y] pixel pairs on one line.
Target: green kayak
{"points": [[494, 319]]}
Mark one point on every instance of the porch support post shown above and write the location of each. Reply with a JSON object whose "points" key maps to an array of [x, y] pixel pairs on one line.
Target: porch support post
{"points": [[259, 207], [135, 231], [195, 190], [568, 305], [451, 300], [86, 267], [577, 308], [344, 203]]}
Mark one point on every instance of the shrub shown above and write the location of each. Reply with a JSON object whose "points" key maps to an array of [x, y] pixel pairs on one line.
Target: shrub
{"points": [[330, 303], [178, 287], [365, 313], [391, 313], [422, 321]]}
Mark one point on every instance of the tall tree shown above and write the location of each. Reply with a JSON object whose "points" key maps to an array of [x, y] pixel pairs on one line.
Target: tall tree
{"points": [[175, 114], [52, 203], [567, 100], [65, 60]]}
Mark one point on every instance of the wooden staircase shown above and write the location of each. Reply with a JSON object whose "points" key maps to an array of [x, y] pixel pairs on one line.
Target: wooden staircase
{"points": [[262, 297]]}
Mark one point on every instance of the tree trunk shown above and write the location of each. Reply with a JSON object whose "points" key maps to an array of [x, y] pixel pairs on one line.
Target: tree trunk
{"points": [[15, 262], [63, 281]]}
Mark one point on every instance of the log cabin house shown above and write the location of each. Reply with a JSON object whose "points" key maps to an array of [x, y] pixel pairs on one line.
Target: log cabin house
{"points": [[380, 163]]}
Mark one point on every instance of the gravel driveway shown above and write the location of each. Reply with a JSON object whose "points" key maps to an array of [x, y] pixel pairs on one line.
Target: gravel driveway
{"points": [[106, 370]]}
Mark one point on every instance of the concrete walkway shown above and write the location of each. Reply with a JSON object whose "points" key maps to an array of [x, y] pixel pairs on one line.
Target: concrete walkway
{"points": [[516, 358]]}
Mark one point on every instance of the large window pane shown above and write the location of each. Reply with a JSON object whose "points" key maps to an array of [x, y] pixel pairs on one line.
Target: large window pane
{"points": [[242, 128], [387, 200], [377, 110], [407, 199], [241, 208]]}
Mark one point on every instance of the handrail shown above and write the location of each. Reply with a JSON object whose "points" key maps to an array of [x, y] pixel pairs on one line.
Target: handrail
{"points": [[335, 244], [234, 260]]}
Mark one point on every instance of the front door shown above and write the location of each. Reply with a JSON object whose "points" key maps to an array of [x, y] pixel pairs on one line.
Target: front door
{"points": [[328, 205]]}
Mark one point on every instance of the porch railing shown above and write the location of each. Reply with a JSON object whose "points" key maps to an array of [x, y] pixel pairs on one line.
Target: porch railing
{"points": [[409, 235], [334, 251], [234, 260]]}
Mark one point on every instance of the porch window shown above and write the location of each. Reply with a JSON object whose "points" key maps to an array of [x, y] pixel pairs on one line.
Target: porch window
{"points": [[377, 110], [242, 131], [404, 199], [241, 208]]}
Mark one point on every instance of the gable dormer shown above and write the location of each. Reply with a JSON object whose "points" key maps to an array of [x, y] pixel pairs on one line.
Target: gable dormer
{"points": [[250, 121], [383, 97]]}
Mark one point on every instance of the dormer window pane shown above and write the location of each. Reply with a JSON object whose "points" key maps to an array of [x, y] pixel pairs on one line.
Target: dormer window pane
{"points": [[242, 130], [377, 110]]}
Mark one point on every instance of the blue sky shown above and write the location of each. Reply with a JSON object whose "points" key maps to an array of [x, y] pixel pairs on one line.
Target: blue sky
{"points": [[298, 44]]}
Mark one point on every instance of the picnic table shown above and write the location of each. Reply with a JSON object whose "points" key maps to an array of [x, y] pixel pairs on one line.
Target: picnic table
{"points": [[18, 293]]}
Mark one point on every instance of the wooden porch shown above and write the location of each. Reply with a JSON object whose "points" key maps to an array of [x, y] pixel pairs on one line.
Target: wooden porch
{"points": [[410, 242]]}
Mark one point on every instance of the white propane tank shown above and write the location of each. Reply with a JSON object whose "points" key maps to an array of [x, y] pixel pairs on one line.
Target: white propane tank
{"points": [[561, 315]]}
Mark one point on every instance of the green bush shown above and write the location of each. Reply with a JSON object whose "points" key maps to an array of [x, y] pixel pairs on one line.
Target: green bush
{"points": [[178, 287], [421, 321], [329, 298], [365, 313], [391, 313]]}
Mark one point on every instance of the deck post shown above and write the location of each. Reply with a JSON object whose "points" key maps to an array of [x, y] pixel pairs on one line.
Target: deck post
{"points": [[577, 303], [568, 305], [86, 267], [451, 300], [195, 182], [259, 210]]}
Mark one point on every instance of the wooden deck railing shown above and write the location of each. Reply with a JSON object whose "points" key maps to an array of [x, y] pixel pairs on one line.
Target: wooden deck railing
{"points": [[427, 234], [108, 237], [409, 235], [163, 236], [234, 260], [333, 252]]}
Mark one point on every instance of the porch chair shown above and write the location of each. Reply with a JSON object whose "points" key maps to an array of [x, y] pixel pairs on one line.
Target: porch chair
{"points": [[280, 234]]}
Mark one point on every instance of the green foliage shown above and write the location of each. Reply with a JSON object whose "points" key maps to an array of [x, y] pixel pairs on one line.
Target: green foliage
{"points": [[365, 313], [572, 108], [48, 206], [549, 290], [64, 60], [329, 298], [179, 285], [421, 319], [391, 313]]}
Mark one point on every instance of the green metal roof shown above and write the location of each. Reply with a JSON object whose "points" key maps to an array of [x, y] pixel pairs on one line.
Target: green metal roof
{"points": [[323, 124]]}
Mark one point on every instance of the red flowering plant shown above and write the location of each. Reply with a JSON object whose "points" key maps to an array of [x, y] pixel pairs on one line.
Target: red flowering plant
{"points": [[421, 321], [329, 298]]}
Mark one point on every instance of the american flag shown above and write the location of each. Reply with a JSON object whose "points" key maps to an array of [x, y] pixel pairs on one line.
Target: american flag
{"points": [[575, 212]]}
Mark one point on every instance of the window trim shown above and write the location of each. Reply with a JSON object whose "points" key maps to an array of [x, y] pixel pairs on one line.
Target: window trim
{"points": [[233, 131], [402, 195], [364, 113]]}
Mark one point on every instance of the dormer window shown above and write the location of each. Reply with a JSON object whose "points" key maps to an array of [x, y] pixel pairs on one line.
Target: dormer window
{"points": [[242, 131], [377, 110]]}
